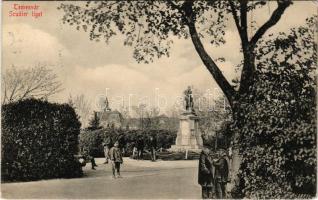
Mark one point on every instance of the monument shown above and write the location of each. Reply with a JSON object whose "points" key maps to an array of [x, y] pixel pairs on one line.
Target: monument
{"points": [[189, 135]]}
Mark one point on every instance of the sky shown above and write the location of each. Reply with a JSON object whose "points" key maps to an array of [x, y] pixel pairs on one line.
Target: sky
{"points": [[96, 69]]}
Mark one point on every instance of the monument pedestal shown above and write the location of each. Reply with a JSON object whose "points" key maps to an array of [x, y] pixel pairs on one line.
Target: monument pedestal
{"points": [[189, 135]]}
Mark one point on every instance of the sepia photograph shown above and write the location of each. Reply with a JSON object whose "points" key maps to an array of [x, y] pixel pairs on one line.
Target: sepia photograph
{"points": [[160, 99]]}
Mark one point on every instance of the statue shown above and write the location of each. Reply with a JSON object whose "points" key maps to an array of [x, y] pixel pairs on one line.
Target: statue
{"points": [[189, 134], [188, 100]]}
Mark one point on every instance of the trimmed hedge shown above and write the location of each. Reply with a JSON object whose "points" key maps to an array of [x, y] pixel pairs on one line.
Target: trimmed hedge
{"points": [[39, 141], [92, 140]]}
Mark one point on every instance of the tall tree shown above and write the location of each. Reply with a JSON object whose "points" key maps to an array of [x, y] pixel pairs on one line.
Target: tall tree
{"points": [[212, 112], [37, 82], [140, 113], [279, 137], [82, 107], [94, 123], [147, 26], [151, 118]]}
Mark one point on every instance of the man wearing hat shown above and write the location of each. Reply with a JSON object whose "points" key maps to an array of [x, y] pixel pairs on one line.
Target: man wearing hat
{"points": [[221, 174], [205, 176]]}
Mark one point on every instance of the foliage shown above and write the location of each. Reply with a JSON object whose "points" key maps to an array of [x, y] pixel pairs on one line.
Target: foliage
{"points": [[278, 136], [263, 105], [39, 141], [222, 138], [37, 82], [211, 113], [92, 139], [82, 106], [147, 26], [94, 123], [148, 116]]}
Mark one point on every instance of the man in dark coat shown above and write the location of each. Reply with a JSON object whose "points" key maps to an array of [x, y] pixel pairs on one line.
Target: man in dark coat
{"points": [[140, 147], [205, 177], [153, 146], [122, 142], [88, 153], [221, 175]]}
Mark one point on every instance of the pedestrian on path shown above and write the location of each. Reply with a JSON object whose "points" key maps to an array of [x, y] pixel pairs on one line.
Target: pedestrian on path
{"points": [[205, 177], [116, 159], [107, 145], [89, 155], [121, 142], [153, 146], [221, 174], [134, 150], [140, 147]]}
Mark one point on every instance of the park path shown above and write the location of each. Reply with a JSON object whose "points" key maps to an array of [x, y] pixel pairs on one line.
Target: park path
{"points": [[141, 180]]}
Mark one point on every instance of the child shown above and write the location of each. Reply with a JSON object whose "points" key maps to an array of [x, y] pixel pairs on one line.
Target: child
{"points": [[116, 158]]}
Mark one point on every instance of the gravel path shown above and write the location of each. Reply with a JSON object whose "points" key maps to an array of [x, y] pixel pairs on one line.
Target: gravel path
{"points": [[141, 180]]}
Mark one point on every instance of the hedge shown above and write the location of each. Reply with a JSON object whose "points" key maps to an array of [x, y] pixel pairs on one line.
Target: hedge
{"points": [[39, 141], [92, 140]]}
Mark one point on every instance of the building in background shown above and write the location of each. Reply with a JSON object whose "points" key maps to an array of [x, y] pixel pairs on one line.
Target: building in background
{"points": [[109, 118]]}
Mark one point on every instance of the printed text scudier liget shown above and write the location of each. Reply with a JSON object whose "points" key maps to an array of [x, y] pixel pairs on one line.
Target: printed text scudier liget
{"points": [[22, 10]]}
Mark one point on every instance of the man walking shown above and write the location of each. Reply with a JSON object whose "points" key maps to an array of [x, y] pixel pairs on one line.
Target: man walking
{"points": [[107, 145]]}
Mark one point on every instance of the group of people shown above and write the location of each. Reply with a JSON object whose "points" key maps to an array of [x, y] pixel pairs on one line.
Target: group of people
{"points": [[112, 152], [213, 170], [139, 148], [213, 173]]}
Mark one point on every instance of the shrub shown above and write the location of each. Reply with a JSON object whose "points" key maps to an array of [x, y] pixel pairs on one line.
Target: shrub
{"points": [[278, 136], [39, 141], [92, 140]]}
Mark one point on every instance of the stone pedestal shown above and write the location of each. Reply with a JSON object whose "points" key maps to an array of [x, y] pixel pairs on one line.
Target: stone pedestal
{"points": [[189, 135]]}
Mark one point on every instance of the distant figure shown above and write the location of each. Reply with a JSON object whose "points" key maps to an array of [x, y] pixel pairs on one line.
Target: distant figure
{"points": [[205, 177], [134, 150], [153, 146], [107, 145], [121, 142], [116, 159], [221, 175], [140, 147], [89, 155]]}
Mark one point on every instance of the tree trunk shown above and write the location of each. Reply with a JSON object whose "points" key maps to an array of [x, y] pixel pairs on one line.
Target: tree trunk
{"points": [[234, 166], [225, 86]]}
